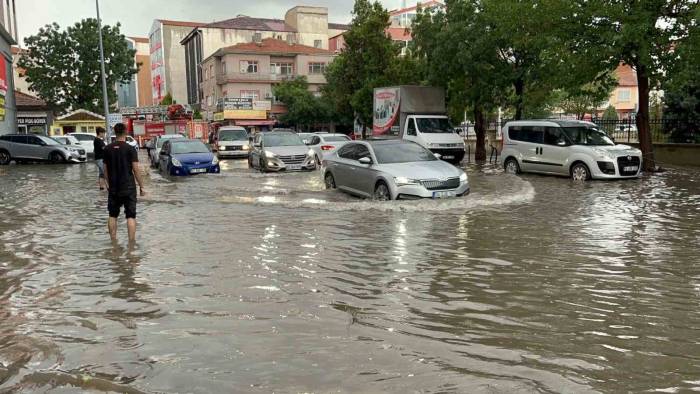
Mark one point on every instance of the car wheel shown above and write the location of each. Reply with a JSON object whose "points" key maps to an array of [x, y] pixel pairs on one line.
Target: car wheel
{"points": [[511, 166], [329, 180], [381, 192], [55, 158], [580, 172], [5, 157]]}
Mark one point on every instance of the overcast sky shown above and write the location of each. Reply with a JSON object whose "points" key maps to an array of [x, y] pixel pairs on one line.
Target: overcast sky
{"points": [[136, 16]]}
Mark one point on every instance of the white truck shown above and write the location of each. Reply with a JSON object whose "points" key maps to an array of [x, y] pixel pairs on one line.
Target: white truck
{"points": [[418, 114]]}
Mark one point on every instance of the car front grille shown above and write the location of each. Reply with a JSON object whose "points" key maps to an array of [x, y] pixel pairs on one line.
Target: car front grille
{"points": [[294, 159], [232, 147], [628, 161], [81, 151], [437, 184]]}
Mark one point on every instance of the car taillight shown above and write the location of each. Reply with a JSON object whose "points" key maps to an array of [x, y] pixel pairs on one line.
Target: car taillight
{"points": [[327, 147]]}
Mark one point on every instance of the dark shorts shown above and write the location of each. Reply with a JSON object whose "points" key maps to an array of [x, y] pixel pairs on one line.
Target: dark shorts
{"points": [[115, 203]]}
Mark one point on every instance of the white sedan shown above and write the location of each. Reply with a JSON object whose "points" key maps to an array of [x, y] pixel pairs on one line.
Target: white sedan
{"points": [[323, 143]]}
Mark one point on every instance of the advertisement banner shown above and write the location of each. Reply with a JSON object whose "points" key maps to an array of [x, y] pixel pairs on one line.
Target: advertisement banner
{"points": [[3, 76], [155, 129], [219, 116], [244, 114], [113, 119], [262, 105], [386, 110], [237, 103]]}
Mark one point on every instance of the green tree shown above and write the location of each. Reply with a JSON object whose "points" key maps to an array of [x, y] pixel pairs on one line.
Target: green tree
{"points": [[585, 99], [63, 66], [610, 119], [303, 108], [642, 35], [167, 100], [369, 60]]}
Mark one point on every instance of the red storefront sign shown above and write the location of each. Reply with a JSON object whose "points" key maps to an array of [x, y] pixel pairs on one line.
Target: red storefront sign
{"points": [[3, 76], [155, 129]]}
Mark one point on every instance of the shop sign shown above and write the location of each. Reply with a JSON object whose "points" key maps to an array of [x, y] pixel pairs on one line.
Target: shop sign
{"points": [[262, 105], [244, 114], [218, 116], [23, 120], [155, 129], [234, 103]]}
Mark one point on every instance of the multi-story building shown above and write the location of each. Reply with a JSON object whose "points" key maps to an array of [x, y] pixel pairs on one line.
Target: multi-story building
{"points": [[250, 71], [137, 93], [302, 25], [21, 84], [625, 96], [8, 37], [168, 59]]}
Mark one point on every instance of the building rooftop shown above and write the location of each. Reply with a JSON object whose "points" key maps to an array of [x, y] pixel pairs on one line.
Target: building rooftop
{"points": [[338, 26], [143, 40], [27, 100], [244, 22], [180, 23], [272, 46], [399, 33], [626, 76]]}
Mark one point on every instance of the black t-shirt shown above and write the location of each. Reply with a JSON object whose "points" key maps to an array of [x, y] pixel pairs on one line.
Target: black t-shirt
{"points": [[99, 145], [119, 158]]}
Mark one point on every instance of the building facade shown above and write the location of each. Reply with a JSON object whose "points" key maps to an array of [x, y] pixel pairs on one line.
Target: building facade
{"points": [[250, 71], [8, 37], [167, 59], [625, 96], [307, 26], [137, 93], [33, 114]]}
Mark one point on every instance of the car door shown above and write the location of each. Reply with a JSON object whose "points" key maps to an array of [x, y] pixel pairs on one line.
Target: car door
{"points": [[362, 175], [411, 133], [554, 152], [341, 167], [20, 148], [530, 140], [164, 156], [36, 148]]}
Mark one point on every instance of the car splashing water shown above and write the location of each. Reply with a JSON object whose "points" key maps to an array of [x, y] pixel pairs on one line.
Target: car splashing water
{"points": [[249, 282]]}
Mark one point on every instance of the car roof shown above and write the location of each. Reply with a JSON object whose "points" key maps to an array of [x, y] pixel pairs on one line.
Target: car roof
{"points": [[332, 135], [166, 136], [281, 132], [232, 128], [183, 140], [559, 122]]}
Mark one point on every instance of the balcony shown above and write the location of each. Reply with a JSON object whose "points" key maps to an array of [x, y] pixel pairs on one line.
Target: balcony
{"points": [[253, 77]]}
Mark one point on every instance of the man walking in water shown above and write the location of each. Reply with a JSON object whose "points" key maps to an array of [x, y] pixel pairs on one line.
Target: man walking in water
{"points": [[99, 145], [121, 164]]}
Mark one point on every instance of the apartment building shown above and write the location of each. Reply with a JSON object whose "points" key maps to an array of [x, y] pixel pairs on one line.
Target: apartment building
{"points": [[138, 92], [167, 59], [625, 96], [8, 37], [307, 26], [250, 70]]}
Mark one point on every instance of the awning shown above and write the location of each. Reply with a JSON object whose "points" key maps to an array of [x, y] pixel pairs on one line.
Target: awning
{"points": [[255, 122]]}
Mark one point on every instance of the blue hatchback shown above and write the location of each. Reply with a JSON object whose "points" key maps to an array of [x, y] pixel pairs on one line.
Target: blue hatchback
{"points": [[181, 157]]}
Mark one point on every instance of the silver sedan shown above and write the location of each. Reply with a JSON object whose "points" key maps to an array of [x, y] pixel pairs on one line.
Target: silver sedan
{"points": [[392, 169]]}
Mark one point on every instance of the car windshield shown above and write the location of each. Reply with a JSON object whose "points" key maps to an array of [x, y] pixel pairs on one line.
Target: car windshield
{"points": [[233, 135], [434, 125], [61, 140], [336, 138], [582, 135], [48, 141], [282, 139], [179, 148], [402, 153], [162, 140]]}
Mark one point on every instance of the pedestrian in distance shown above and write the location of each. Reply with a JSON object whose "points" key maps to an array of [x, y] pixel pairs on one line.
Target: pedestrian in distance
{"points": [[99, 145], [121, 165]]}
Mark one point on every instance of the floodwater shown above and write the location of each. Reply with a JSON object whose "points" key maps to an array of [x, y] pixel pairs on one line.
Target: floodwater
{"points": [[244, 282]]}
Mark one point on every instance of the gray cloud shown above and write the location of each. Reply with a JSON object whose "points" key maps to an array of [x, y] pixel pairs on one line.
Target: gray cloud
{"points": [[136, 16]]}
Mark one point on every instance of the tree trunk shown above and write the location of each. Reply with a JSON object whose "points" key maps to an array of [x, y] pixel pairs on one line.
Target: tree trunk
{"points": [[519, 86], [480, 130], [643, 129]]}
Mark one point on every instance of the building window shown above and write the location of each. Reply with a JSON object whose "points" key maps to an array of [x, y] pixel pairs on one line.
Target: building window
{"points": [[317, 68], [249, 66], [282, 68], [624, 95], [251, 94], [211, 71], [318, 44], [257, 37], [223, 68]]}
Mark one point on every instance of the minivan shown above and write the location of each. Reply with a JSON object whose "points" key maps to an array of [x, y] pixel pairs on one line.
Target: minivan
{"points": [[571, 148]]}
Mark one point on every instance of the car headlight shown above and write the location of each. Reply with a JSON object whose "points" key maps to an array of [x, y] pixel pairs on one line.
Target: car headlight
{"points": [[270, 155], [245, 147], [463, 178], [176, 162], [215, 160], [402, 181], [310, 153]]}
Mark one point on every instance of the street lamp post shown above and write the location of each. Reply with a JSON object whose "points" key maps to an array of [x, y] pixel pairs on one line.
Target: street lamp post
{"points": [[105, 98]]}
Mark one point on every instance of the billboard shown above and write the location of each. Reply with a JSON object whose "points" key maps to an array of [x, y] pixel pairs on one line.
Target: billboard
{"points": [[386, 110]]}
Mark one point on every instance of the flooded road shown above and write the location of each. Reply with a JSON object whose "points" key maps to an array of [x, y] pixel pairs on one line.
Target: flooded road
{"points": [[246, 282]]}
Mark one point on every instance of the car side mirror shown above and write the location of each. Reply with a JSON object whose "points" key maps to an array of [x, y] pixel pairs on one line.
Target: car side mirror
{"points": [[437, 156], [365, 160]]}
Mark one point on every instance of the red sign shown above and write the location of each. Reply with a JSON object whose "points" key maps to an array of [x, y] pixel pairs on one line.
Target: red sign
{"points": [[155, 129], [3, 76]]}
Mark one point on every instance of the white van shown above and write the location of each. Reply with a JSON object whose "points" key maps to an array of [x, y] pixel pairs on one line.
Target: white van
{"points": [[570, 148], [435, 133]]}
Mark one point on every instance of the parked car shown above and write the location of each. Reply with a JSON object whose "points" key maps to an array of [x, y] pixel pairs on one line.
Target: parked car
{"points": [[87, 140], [129, 140], [324, 143], [73, 144], [30, 147], [280, 151], [392, 169], [180, 156], [232, 141], [570, 148], [154, 153]]}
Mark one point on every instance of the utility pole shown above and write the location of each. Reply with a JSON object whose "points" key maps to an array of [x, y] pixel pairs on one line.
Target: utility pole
{"points": [[105, 98]]}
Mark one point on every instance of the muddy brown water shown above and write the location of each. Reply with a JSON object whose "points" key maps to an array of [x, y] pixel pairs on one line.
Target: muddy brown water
{"points": [[245, 282]]}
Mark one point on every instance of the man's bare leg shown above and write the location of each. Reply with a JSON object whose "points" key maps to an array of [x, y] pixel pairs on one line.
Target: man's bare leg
{"points": [[112, 226], [131, 228]]}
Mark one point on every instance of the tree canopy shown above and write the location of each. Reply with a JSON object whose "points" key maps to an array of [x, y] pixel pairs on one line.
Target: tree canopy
{"points": [[303, 108], [63, 66]]}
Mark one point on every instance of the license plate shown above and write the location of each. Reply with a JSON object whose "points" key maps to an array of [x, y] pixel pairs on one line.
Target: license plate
{"points": [[630, 168], [444, 194], [198, 170], [448, 157], [293, 167]]}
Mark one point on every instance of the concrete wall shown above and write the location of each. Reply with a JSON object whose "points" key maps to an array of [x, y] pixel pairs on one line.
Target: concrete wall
{"points": [[174, 56], [143, 79], [21, 83], [676, 154], [311, 23]]}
